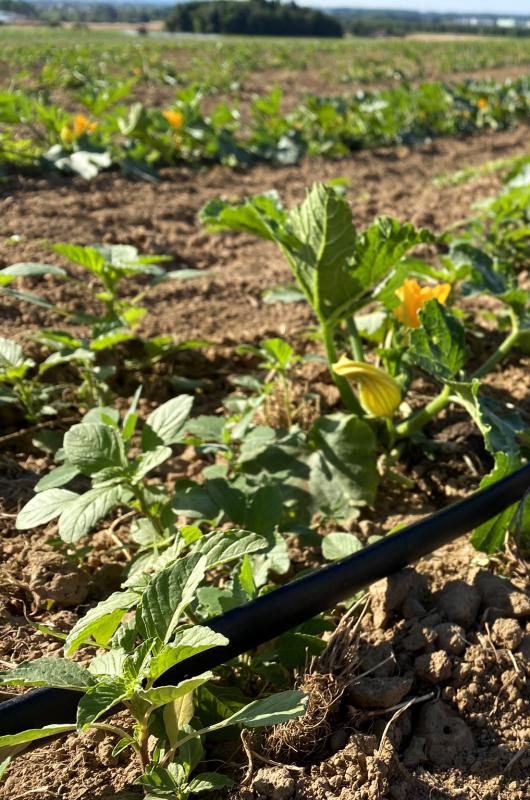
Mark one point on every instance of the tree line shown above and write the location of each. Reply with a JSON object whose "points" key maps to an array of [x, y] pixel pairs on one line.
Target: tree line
{"points": [[252, 17]]}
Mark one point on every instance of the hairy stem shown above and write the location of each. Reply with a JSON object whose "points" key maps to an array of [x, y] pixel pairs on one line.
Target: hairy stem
{"points": [[355, 340], [119, 732], [143, 745], [286, 400], [144, 508], [421, 418]]}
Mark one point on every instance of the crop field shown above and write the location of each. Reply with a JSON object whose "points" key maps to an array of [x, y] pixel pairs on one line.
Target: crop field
{"points": [[264, 304]]}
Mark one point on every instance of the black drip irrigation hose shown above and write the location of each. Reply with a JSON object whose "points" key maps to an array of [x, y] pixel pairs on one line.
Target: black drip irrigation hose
{"points": [[278, 611]]}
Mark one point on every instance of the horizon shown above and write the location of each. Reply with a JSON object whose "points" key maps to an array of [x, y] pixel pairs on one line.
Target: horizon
{"points": [[461, 7], [517, 7]]}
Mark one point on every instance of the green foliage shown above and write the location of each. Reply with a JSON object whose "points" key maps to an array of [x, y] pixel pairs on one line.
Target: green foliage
{"points": [[439, 346], [490, 536], [95, 354], [138, 653], [98, 448], [334, 265], [343, 467], [253, 17], [19, 385], [339, 545], [36, 133]]}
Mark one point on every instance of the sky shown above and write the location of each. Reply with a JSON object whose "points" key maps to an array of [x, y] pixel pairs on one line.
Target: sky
{"points": [[462, 6]]}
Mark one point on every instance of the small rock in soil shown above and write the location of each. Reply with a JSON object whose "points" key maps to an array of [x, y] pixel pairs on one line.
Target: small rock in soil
{"points": [[507, 633], [451, 638], [388, 595], [418, 638], [447, 737], [275, 783], [433, 667], [52, 577], [412, 608], [459, 603], [379, 692], [499, 593]]}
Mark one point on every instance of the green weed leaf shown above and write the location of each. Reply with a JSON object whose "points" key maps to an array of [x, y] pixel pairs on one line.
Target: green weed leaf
{"points": [[60, 673], [176, 715], [92, 447], [168, 595], [160, 695], [208, 781], [340, 545], [164, 425], [98, 624], [84, 512], [271, 710], [33, 735], [87, 257], [186, 644], [57, 477], [150, 460], [98, 700], [222, 547], [44, 507]]}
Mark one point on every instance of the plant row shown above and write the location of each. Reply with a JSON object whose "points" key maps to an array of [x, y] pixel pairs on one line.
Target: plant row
{"points": [[36, 133], [71, 60]]}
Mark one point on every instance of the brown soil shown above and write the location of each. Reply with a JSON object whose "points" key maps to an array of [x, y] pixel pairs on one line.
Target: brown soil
{"points": [[441, 707], [225, 306], [478, 672]]}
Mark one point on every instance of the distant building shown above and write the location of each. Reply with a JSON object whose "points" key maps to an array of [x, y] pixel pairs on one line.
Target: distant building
{"points": [[506, 22], [8, 18], [474, 21]]}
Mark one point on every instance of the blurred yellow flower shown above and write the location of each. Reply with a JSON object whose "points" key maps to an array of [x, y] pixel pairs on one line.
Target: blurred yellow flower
{"points": [[175, 118], [413, 297], [379, 393], [73, 130], [482, 103], [67, 134], [83, 125]]}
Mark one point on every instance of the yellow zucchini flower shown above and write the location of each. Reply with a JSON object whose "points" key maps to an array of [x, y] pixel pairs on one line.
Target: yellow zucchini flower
{"points": [[379, 393], [83, 125], [413, 297], [175, 118], [73, 130]]}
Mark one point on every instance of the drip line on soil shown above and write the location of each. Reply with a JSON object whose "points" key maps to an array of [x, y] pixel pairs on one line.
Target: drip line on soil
{"points": [[268, 616]]}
